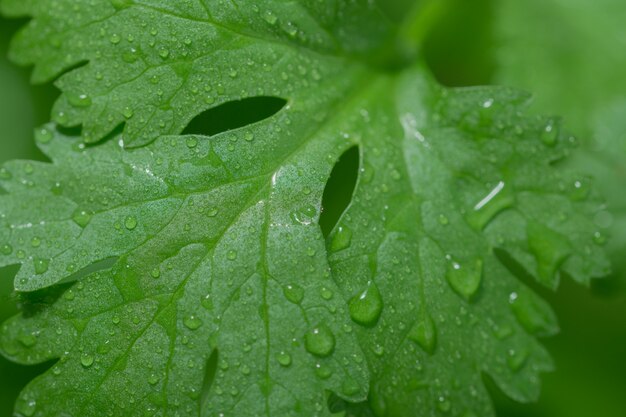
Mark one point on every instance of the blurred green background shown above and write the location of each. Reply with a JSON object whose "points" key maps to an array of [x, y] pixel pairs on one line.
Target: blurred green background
{"points": [[572, 55]]}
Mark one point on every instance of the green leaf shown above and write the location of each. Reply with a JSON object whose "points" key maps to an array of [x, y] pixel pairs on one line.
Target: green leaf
{"points": [[189, 276], [576, 50]]}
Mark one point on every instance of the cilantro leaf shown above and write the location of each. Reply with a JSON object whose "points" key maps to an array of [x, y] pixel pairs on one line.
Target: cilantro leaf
{"points": [[189, 275]]}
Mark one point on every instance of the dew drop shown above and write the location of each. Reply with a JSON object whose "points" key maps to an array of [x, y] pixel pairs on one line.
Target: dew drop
{"points": [[320, 341], [342, 239], [43, 135], [26, 408], [6, 249], [41, 265], [78, 100], [516, 359], [323, 371], [550, 250], [130, 222], [231, 255], [81, 218], [115, 39], [366, 307], [192, 322], [86, 360], [294, 293], [283, 358], [424, 333], [533, 313], [550, 133], [465, 279]]}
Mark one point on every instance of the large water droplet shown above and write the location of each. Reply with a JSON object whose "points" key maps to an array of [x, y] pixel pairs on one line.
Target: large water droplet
{"points": [[465, 278], [320, 341], [497, 200], [366, 307]]}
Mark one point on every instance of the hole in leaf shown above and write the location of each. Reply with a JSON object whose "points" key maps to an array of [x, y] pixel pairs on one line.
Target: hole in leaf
{"points": [[339, 189], [209, 376], [234, 115]]}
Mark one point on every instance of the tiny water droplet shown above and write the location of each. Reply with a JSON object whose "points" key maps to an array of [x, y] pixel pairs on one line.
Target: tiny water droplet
{"points": [[231, 255]]}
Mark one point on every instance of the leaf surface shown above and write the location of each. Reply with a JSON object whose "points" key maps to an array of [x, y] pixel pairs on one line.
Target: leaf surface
{"points": [[189, 276]]}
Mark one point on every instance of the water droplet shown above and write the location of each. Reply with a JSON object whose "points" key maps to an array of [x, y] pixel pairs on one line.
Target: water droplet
{"points": [[231, 255], [128, 112], [153, 379], [164, 53], [6, 249], [155, 273], [497, 200], [248, 136], [443, 220], [43, 135], [28, 340], [41, 265], [294, 293], [26, 408], [326, 293], [533, 313], [320, 341], [81, 218], [270, 17], [323, 371], [465, 279], [115, 39], [121, 4], [366, 307], [516, 359], [78, 100], [424, 333], [86, 360], [130, 222], [342, 239], [192, 142], [550, 250], [192, 322], [283, 358], [550, 133]]}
